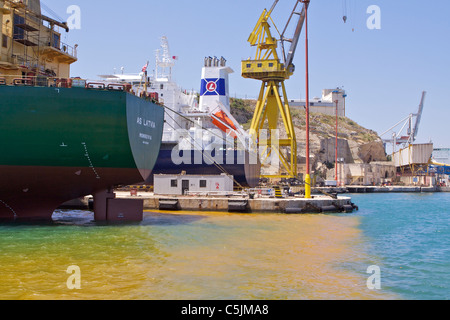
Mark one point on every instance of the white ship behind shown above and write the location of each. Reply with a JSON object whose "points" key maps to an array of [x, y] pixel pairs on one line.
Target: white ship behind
{"points": [[196, 120]]}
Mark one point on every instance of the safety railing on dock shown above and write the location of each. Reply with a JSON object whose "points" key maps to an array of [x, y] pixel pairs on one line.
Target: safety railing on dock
{"points": [[215, 193]]}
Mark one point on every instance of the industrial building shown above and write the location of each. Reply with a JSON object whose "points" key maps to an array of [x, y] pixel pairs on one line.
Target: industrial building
{"points": [[412, 164], [363, 174]]}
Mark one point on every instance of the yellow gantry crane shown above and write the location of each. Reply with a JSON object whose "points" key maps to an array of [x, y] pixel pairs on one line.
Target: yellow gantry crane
{"points": [[268, 68]]}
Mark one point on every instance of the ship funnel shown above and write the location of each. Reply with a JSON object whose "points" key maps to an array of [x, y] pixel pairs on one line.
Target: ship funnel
{"points": [[214, 86]]}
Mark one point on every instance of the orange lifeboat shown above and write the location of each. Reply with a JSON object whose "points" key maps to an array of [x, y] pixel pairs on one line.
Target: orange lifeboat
{"points": [[224, 123]]}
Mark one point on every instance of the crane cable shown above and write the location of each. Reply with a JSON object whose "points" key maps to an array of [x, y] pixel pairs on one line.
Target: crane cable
{"points": [[344, 10], [51, 12], [220, 167], [348, 10]]}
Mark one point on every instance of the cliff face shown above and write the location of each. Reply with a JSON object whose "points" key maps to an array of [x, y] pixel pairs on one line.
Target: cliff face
{"points": [[355, 143]]}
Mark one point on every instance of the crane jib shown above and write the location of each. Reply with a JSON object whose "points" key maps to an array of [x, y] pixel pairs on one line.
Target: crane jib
{"points": [[294, 41]]}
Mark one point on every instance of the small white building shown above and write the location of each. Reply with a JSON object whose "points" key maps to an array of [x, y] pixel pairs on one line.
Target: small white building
{"points": [[326, 104], [192, 184]]}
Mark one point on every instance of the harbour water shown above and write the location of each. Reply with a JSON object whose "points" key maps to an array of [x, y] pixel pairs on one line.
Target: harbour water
{"points": [[221, 256]]}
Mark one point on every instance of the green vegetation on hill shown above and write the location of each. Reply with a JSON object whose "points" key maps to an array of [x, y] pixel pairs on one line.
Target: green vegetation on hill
{"points": [[242, 111]]}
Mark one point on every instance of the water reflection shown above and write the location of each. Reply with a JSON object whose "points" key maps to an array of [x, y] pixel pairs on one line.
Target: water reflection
{"points": [[186, 255]]}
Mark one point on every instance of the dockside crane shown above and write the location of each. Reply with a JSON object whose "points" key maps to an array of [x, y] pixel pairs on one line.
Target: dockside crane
{"points": [[398, 138], [273, 72]]}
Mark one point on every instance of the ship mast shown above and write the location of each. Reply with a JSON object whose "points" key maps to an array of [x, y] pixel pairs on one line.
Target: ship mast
{"points": [[164, 62]]}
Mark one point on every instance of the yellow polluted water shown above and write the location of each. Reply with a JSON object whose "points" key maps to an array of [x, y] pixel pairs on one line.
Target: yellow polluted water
{"points": [[173, 256]]}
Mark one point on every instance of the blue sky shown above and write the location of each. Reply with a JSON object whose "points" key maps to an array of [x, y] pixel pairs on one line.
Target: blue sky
{"points": [[383, 71]]}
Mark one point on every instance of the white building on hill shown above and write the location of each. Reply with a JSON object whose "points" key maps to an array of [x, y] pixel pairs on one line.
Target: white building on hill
{"points": [[326, 104]]}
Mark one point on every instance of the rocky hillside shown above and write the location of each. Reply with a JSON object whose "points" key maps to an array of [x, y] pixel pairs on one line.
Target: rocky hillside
{"points": [[356, 144]]}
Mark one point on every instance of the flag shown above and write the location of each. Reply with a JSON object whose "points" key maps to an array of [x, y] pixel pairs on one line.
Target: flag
{"points": [[144, 68]]}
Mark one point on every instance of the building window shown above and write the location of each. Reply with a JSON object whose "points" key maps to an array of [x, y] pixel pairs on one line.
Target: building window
{"points": [[161, 87], [270, 65], [174, 183], [19, 33], [202, 183], [249, 65], [259, 65], [56, 41], [4, 41]]}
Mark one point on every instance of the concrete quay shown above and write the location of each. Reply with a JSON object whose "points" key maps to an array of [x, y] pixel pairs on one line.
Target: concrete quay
{"points": [[318, 204], [239, 204], [324, 200]]}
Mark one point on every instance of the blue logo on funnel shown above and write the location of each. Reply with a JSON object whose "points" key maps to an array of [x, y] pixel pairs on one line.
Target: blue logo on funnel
{"points": [[213, 87]]}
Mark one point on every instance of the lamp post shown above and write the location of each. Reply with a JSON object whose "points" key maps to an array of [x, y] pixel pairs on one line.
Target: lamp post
{"points": [[341, 179], [345, 107], [308, 165], [336, 144]]}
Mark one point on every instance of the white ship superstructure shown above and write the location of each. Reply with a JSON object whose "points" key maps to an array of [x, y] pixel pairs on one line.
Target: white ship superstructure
{"points": [[184, 111], [196, 122]]}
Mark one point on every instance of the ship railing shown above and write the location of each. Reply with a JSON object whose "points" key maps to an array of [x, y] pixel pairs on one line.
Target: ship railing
{"points": [[67, 49], [57, 82], [32, 80], [108, 86], [22, 60], [58, 45]]}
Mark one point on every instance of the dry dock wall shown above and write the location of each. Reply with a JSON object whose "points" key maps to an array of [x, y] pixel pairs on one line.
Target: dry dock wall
{"points": [[152, 202], [264, 205], [260, 205]]}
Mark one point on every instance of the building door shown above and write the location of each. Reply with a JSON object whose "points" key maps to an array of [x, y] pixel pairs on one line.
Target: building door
{"points": [[185, 186]]}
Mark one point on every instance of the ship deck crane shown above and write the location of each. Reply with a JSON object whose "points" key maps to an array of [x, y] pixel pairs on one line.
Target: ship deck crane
{"points": [[268, 68], [412, 129]]}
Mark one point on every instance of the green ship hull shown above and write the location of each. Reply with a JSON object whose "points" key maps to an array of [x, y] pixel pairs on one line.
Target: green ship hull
{"points": [[59, 144]]}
